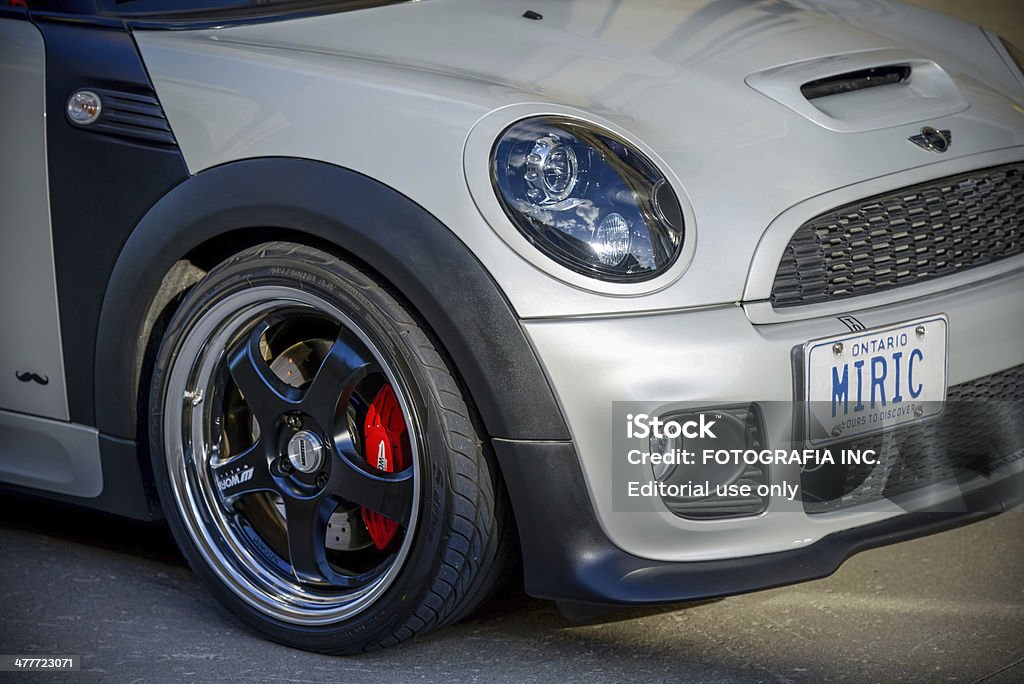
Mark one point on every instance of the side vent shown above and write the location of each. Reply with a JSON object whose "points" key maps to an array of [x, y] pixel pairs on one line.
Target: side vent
{"points": [[132, 116], [855, 80]]}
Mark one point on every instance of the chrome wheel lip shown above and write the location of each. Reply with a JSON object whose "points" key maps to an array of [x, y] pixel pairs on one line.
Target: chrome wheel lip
{"points": [[201, 352]]}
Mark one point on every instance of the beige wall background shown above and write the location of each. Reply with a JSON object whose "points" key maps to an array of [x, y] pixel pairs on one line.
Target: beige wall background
{"points": [[1005, 17]]}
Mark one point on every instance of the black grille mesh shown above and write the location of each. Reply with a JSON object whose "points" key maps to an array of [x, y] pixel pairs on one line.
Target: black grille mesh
{"points": [[980, 430], [915, 234]]}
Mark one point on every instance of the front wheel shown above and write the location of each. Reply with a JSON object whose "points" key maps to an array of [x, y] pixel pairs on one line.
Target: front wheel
{"points": [[315, 457]]}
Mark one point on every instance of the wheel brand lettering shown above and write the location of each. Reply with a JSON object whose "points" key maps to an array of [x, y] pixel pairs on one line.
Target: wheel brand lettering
{"points": [[235, 478]]}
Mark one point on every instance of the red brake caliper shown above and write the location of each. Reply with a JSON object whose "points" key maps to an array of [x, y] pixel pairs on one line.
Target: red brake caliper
{"points": [[385, 450]]}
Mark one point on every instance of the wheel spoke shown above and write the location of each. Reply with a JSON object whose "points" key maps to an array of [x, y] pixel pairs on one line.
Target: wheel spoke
{"points": [[342, 369], [243, 474], [389, 494], [267, 397], [307, 529]]}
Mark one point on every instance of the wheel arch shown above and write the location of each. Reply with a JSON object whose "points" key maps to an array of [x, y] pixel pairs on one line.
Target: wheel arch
{"points": [[230, 207]]}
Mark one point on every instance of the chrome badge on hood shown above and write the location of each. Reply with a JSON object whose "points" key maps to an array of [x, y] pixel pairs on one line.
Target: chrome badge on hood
{"points": [[932, 139]]}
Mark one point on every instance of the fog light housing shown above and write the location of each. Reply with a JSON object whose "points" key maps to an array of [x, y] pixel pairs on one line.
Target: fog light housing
{"points": [[736, 427]]}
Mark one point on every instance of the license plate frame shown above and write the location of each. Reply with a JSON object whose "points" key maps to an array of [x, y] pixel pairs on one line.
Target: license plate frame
{"points": [[915, 351]]}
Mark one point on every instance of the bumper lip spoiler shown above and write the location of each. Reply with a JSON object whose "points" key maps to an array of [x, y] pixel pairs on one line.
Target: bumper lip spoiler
{"points": [[568, 558]]}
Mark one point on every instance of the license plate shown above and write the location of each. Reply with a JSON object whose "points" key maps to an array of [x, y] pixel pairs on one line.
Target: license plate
{"points": [[872, 380]]}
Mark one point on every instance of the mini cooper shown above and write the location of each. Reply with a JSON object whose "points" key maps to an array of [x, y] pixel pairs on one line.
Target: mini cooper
{"points": [[383, 305]]}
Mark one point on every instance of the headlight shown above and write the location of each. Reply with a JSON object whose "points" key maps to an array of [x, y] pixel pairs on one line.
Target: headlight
{"points": [[587, 199]]}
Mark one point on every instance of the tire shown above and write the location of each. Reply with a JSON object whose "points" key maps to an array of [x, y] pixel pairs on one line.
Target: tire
{"points": [[277, 375]]}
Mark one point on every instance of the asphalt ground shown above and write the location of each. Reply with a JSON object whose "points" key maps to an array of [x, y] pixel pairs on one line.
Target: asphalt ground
{"points": [[944, 608]]}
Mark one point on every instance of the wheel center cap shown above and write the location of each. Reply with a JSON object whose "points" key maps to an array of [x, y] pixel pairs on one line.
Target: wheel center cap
{"points": [[305, 451]]}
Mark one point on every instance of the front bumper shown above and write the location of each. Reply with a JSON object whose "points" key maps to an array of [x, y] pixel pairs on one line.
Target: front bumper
{"points": [[568, 557], [716, 356]]}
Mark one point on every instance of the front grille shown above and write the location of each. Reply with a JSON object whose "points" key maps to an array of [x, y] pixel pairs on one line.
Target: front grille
{"points": [[904, 237], [980, 431]]}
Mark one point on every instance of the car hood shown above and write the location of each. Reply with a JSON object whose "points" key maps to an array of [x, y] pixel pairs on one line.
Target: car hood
{"points": [[600, 54], [653, 63], [710, 87]]}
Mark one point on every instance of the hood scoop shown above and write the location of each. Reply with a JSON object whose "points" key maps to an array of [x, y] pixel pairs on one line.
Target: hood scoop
{"points": [[855, 80], [863, 91]]}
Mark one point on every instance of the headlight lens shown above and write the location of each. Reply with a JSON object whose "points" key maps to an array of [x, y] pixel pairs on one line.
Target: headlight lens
{"points": [[587, 199]]}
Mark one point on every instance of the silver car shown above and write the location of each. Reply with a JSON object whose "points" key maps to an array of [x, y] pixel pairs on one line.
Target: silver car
{"points": [[382, 304]]}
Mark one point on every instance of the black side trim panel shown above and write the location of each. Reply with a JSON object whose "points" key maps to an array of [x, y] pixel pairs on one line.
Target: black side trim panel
{"points": [[566, 555], [100, 186], [127, 485], [394, 236]]}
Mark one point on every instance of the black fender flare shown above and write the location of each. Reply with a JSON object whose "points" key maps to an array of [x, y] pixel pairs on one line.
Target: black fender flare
{"points": [[417, 254]]}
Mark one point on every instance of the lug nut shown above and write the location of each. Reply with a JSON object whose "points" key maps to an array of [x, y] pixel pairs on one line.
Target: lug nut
{"points": [[293, 421], [285, 465], [321, 480]]}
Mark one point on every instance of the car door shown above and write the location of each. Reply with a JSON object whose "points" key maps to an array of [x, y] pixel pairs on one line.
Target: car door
{"points": [[71, 193], [31, 360]]}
